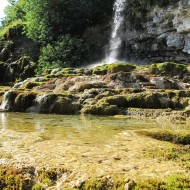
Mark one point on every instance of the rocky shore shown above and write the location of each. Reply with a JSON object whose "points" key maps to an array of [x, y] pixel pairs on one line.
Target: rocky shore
{"points": [[116, 89]]}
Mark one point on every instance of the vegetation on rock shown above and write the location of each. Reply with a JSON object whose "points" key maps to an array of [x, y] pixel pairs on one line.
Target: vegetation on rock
{"points": [[168, 68], [171, 136]]}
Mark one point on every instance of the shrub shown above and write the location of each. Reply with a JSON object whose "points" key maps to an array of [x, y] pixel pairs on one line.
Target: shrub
{"points": [[66, 52]]}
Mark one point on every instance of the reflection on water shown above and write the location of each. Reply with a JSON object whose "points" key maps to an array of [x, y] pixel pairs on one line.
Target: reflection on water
{"points": [[91, 128], [3, 126], [87, 145], [86, 128]]}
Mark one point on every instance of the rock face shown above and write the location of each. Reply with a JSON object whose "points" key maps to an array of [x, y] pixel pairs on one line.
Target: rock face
{"points": [[18, 70], [153, 31], [157, 32]]}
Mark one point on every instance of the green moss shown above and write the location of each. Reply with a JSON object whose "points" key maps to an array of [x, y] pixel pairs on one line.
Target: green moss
{"points": [[104, 183], [101, 109], [168, 68], [30, 85], [167, 135], [113, 68], [149, 184], [48, 177], [49, 76], [175, 182], [120, 67], [37, 187], [23, 101], [178, 182], [119, 101], [11, 178], [100, 70], [147, 100]]}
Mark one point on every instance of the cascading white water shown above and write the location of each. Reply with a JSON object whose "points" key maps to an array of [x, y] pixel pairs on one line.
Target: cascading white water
{"points": [[6, 103], [115, 39]]}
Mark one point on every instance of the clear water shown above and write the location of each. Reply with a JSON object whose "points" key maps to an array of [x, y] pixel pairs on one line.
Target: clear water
{"points": [[89, 146], [93, 128]]}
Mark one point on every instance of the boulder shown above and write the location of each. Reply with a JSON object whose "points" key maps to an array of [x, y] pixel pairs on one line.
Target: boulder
{"points": [[164, 83], [23, 101], [64, 105]]}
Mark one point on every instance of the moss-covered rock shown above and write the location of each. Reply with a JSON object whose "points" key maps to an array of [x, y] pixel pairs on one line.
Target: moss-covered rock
{"points": [[113, 68], [168, 135], [64, 105], [168, 68], [171, 182], [23, 101], [13, 178], [120, 67], [20, 70], [100, 70], [100, 109], [30, 85], [147, 100], [117, 100], [115, 183]]}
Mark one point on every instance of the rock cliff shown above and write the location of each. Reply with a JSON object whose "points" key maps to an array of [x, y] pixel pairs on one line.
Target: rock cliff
{"points": [[153, 31]]}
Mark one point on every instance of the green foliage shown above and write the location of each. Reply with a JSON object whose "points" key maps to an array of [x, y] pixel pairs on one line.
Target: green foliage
{"points": [[14, 11], [14, 20], [65, 52], [47, 19], [12, 30]]}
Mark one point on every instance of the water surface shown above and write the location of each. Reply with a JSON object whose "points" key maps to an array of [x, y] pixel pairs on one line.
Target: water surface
{"points": [[89, 146], [88, 128]]}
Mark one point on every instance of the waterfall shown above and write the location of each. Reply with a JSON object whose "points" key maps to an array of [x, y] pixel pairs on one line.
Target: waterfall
{"points": [[7, 102], [115, 38]]}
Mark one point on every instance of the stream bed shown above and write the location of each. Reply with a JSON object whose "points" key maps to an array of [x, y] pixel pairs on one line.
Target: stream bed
{"points": [[89, 146]]}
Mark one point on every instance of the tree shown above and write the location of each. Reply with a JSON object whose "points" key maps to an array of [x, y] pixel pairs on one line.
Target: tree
{"points": [[67, 51], [14, 11], [47, 19]]}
